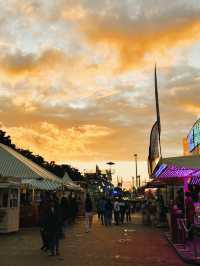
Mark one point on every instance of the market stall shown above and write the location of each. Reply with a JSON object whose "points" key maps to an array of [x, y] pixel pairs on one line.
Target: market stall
{"points": [[182, 175], [9, 204], [34, 182]]}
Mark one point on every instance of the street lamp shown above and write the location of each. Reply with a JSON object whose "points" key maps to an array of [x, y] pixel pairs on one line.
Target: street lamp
{"points": [[136, 176], [110, 163]]}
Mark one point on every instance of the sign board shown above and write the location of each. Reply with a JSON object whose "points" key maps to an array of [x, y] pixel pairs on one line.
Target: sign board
{"points": [[194, 136]]}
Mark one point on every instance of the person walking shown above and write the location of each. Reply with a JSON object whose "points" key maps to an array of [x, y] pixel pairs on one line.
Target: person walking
{"points": [[128, 211], [108, 212], [88, 213], [116, 211], [74, 207], [70, 209], [122, 210], [102, 203], [190, 214], [98, 209], [42, 210], [53, 227], [63, 211]]}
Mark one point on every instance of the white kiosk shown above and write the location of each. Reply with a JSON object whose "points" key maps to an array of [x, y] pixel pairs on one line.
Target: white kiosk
{"points": [[9, 204]]}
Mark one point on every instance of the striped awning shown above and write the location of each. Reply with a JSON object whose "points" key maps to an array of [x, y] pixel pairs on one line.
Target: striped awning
{"points": [[41, 184], [13, 164], [179, 168]]}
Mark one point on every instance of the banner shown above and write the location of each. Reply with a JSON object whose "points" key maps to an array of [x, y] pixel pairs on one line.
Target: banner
{"points": [[154, 148]]}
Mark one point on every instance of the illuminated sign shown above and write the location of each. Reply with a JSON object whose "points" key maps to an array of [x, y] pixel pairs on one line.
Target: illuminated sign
{"points": [[161, 168], [194, 136]]}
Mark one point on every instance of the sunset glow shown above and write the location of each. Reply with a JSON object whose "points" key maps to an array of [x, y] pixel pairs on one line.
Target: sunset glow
{"points": [[76, 77]]}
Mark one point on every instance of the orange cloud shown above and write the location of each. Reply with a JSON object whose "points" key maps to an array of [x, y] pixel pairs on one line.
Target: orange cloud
{"points": [[19, 63], [134, 42], [191, 108], [59, 144]]}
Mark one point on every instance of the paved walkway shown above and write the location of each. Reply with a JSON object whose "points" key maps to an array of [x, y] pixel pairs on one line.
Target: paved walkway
{"points": [[116, 246]]}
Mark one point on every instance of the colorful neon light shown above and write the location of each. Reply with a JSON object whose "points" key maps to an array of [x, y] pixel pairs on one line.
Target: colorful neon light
{"points": [[161, 168], [173, 171], [195, 181]]}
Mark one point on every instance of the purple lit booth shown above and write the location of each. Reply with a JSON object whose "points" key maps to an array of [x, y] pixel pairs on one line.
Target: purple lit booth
{"points": [[178, 172], [175, 173]]}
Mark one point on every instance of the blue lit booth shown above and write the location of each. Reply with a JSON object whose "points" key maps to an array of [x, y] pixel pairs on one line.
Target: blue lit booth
{"points": [[117, 192]]}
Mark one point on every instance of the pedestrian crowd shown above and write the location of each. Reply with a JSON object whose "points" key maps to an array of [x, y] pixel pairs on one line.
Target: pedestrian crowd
{"points": [[54, 215], [116, 208]]}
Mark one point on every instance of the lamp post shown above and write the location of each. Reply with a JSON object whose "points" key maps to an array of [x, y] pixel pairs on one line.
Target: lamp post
{"points": [[136, 176], [133, 185], [139, 180], [110, 163]]}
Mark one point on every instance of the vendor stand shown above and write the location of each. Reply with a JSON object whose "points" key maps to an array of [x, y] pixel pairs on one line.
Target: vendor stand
{"points": [[9, 204], [182, 173], [34, 180], [32, 192]]}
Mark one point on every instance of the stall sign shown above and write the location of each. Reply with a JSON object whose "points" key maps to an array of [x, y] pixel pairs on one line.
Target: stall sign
{"points": [[194, 136]]}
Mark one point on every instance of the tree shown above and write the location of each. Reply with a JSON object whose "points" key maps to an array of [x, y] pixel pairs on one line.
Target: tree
{"points": [[58, 170], [6, 140]]}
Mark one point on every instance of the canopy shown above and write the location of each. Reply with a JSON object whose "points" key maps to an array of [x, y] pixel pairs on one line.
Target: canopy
{"points": [[14, 164], [175, 169], [41, 184], [192, 161], [67, 180]]}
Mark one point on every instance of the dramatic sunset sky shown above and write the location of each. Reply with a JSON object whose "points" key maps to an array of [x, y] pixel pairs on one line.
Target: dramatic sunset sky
{"points": [[77, 81]]}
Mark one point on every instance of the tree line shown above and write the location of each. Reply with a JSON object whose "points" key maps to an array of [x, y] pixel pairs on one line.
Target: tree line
{"points": [[51, 166]]}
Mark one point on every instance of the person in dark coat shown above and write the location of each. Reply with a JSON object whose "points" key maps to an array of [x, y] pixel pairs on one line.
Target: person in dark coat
{"points": [[190, 213], [63, 212], [108, 212], [102, 204], [74, 207], [53, 227], [63, 209], [41, 225], [116, 211], [70, 209], [88, 212], [42, 210]]}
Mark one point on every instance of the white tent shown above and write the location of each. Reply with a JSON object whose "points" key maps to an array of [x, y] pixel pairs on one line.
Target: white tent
{"points": [[14, 164], [66, 179]]}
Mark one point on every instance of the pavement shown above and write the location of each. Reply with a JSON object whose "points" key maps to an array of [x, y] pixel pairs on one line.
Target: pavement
{"points": [[130, 244]]}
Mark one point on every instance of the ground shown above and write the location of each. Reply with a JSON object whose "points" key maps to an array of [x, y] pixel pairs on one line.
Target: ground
{"points": [[126, 245]]}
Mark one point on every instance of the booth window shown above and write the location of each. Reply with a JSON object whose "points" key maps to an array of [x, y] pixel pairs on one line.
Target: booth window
{"points": [[13, 198], [4, 198]]}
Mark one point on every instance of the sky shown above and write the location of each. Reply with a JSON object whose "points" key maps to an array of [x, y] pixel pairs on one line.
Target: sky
{"points": [[77, 78]]}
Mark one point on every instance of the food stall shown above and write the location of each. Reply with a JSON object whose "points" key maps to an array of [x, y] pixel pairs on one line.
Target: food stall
{"points": [[9, 204], [34, 182], [183, 175]]}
